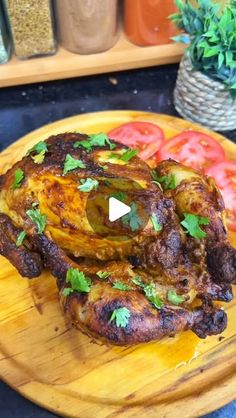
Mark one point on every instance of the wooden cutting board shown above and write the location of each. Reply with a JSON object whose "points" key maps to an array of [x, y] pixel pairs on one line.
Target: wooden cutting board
{"points": [[64, 371]]}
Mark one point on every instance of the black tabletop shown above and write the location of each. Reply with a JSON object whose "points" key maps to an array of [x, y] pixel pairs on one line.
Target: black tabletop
{"points": [[25, 108]]}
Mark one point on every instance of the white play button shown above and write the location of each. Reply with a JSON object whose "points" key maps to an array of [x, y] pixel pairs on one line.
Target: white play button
{"points": [[117, 209]]}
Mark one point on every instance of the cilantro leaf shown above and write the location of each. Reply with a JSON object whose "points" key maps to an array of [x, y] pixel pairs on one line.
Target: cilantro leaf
{"points": [[18, 178], [41, 146], [138, 281], [122, 196], [149, 291], [37, 218], [38, 158], [103, 274], [20, 238], [121, 286], [67, 291], [126, 156], [100, 140], [78, 281], [88, 184], [167, 182], [192, 224], [174, 298], [121, 317], [84, 144], [130, 153], [132, 219], [71, 164], [157, 227], [151, 294]]}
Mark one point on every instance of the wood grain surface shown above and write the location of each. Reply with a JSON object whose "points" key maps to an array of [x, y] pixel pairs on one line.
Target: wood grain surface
{"points": [[62, 370]]}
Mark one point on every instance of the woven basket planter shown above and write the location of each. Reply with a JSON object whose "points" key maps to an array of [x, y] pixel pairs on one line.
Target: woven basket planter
{"points": [[200, 99]]}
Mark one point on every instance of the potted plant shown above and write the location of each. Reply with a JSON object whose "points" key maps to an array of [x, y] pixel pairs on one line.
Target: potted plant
{"points": [[205, 89]]}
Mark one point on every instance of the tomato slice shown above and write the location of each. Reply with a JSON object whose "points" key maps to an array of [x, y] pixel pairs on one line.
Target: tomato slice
{"points": [[224, 174], [192, 148], [144, 136]]}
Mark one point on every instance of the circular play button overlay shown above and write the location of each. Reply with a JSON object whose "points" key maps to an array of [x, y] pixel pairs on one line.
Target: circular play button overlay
{"points": [[118, 209]]}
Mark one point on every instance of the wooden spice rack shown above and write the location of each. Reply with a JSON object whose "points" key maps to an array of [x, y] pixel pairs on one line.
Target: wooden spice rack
{"points": [[124, 55]]}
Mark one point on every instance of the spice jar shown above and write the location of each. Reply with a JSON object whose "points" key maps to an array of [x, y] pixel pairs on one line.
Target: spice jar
{"points": [[4, 39], [146, 21], [31, 27], [87, 26]]}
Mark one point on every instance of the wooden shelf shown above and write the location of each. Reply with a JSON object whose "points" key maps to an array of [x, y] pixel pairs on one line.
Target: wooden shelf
{"points": [[124, 55]]}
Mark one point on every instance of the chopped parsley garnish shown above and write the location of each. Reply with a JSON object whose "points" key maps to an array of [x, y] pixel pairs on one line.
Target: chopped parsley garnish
{"points": [[78, 282], [99, 140], [84, 144], [138, 281], [37, 218], [40, 150], [174, 298], [67, 291], [166, 182], [20, 238], [121, 286], [103, 274], [88, 184], [132, 219], [126, 156], [130, 153], [192, 224], [41, 146], [72, 164], [150, 292], [122, 196], [39, 158], [156, 226], [121, 317], [18, 178]]}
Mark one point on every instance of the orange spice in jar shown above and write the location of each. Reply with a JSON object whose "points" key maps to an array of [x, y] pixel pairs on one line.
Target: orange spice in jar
{"points": [[146, 21]]}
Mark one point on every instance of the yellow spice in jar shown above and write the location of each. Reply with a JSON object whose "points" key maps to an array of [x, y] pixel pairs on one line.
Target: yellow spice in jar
{"points": [[31, 27]]}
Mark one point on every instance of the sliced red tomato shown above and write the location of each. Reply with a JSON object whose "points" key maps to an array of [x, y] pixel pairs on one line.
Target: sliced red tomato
{"points": [[144, 136], [224, 174], [192, 148]]}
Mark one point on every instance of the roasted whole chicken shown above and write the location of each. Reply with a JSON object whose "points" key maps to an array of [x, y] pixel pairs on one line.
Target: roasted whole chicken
{"points": [[138, 279]]}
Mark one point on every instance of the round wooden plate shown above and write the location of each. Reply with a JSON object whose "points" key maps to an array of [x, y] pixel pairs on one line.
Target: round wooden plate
{"points": [[64, 371]]}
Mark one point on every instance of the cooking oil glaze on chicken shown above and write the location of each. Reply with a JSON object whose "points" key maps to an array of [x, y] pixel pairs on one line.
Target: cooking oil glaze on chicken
{"points": [[160, 280]]}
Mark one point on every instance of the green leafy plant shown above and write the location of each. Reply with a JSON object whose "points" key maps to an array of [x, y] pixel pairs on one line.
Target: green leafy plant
{"points": [[211, 34]]}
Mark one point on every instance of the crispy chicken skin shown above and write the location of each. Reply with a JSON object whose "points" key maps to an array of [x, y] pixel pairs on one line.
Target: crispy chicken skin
{"points": [[198, 270]]}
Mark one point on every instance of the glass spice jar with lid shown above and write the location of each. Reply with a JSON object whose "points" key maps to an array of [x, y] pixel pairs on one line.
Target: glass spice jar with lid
{"points": [[87, 26], [147, 22], [5, 44], [31, 25]]}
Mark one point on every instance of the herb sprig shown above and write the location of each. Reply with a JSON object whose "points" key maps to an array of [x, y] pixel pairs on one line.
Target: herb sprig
{"points": [[174, 298], [87, 185], [166, 182], [98, 140], [121, 317], [37, 218], [78, 282], [192, 225], [20, 238], [71, 164], [150, 292], [18, 178], [132, 218]]}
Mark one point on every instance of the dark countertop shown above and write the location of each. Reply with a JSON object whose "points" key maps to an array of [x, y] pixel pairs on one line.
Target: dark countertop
{"points": [[25, 108]]}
